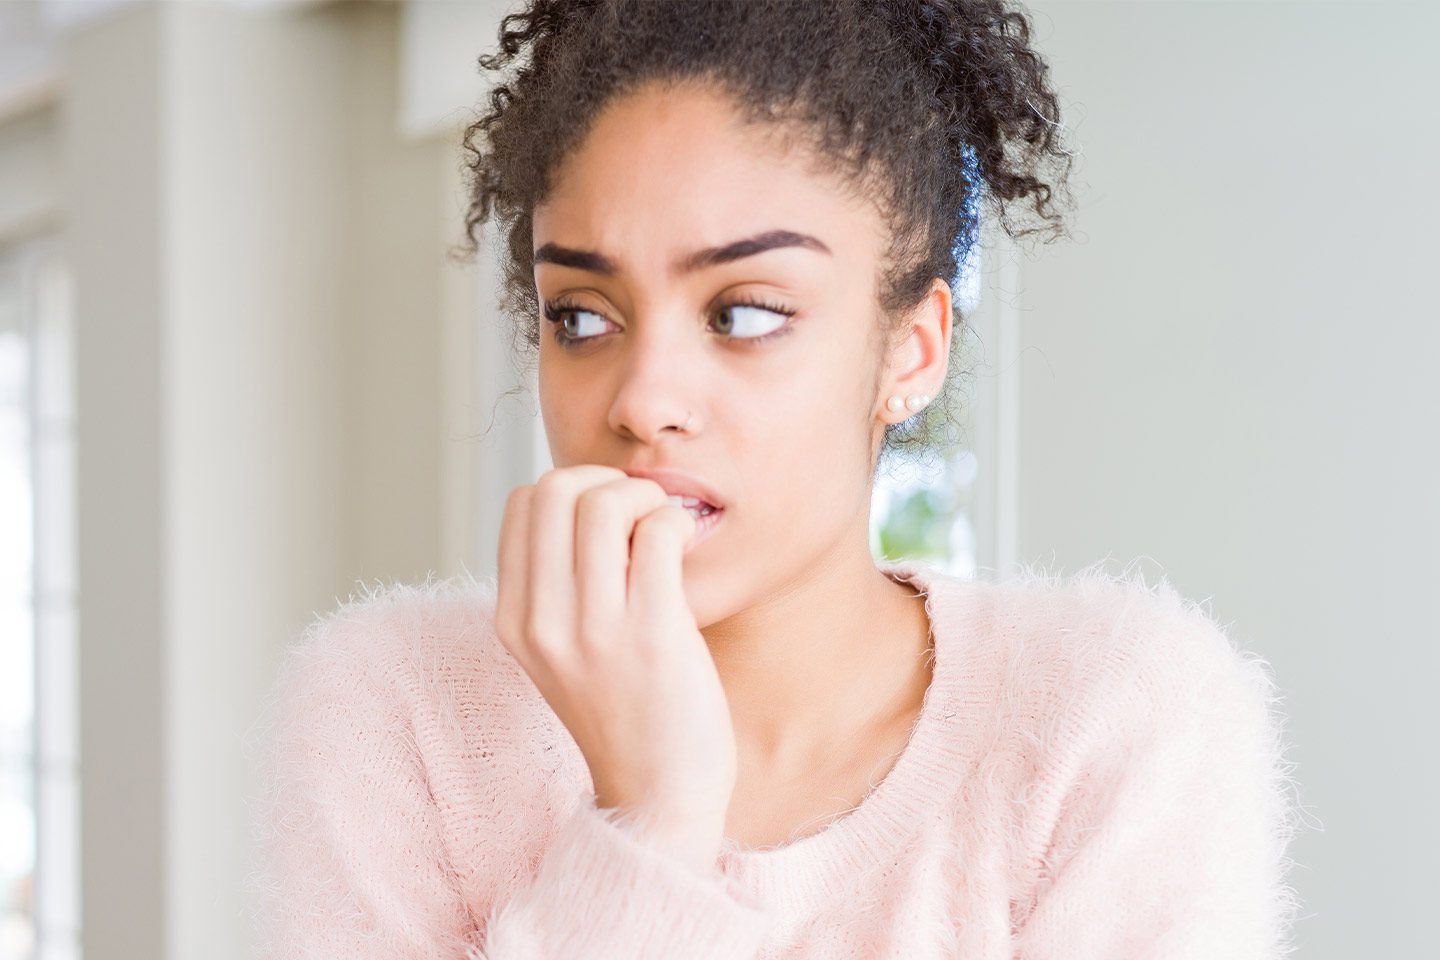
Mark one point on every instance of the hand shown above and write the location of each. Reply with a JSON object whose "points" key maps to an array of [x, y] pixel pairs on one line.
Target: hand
{"points": [[591, 603]]}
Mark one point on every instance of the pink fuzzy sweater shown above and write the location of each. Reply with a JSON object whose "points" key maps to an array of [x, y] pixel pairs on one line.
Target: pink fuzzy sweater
{"points": [[1096, 772]]}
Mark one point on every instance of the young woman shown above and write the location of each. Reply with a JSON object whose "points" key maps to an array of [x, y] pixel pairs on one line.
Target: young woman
{"points": [[692, 717]]}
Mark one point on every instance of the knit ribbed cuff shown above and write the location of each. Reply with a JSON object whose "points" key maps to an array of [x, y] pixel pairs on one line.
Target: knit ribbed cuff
{"points": [[603, 891]]}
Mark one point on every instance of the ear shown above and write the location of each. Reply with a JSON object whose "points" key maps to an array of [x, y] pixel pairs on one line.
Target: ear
{"points": [[918, 362]]}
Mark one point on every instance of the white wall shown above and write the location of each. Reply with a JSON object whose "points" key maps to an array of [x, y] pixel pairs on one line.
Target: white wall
{"points": [[113, 235], [493, 439], [1232, 372], [261, 289], [254, 232]]}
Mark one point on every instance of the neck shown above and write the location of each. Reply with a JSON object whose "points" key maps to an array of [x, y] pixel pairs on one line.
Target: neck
{"points": [[836, 650]]}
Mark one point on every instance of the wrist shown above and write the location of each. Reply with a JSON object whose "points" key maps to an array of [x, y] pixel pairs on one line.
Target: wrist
{"points": [[692, 838], [695, 840]]}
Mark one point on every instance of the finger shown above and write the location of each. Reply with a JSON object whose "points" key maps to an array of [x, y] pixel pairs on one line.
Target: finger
{"points": [[605, 517], [657, 557], [551, 608], [512, 592]]}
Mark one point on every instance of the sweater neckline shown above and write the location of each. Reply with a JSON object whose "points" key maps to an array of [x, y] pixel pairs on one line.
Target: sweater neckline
{"points": [[800, 875]]}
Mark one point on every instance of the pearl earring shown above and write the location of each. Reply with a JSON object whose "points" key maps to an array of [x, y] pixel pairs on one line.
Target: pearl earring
{"points": [[914, 402]]}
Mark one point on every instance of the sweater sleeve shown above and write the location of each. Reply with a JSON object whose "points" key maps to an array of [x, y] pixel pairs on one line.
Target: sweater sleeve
{"points": [[353, 861], [1170, 840], [602, 889]]}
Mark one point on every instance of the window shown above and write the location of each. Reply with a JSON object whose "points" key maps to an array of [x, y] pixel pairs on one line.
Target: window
{"points": [[928, 512], [39, 769]]}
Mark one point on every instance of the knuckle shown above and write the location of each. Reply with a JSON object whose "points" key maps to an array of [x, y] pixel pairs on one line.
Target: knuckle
{"points": [[565, 479], [653, 486], [538, 631], [597, 504], [519, 497], [552, 483], [552, 490], [606, 497]]}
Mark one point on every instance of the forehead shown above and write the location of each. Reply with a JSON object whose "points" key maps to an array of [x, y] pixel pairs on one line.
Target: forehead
{"points": [[669, 167]]}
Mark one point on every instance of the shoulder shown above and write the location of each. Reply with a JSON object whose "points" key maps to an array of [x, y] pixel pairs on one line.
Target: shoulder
{"points": [[400, 677], [407, 620], [1140, 718], [1114, 648], [403, 642]]}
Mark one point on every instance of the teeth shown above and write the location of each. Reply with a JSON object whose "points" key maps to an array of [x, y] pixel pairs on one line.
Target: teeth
{"points": [[696, 506]]}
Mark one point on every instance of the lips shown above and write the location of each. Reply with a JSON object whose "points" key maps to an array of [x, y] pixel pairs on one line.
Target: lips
{"points": [[705, 526], [677, 483]]}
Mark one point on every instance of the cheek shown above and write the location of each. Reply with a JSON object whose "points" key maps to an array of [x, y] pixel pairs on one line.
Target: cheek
{"points": [[812, 409], [569, 426], [808, 455]]}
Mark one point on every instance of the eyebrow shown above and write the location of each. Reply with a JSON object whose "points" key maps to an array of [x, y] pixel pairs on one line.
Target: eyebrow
{"points": [[596, 262]]}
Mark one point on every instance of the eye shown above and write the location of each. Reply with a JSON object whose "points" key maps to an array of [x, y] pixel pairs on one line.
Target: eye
{"points": [[569, 320], [745, 320], [732, 319]]}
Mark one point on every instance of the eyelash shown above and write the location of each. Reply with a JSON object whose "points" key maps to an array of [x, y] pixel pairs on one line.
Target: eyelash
{"points": [[555, 311]]}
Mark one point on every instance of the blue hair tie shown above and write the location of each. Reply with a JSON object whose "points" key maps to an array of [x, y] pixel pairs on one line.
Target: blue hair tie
{"points": [[965, 285]]}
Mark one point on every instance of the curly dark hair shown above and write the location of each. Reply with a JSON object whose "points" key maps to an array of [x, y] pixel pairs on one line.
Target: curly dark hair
{"points": [[933, 109]]}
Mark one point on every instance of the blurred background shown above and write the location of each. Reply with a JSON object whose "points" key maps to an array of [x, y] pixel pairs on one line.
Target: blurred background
{"points": [[238, 374]]}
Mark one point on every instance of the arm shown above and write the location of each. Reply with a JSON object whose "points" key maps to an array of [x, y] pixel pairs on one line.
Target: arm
{"points": [[353, 857], [605, 889], [1170, 841]]}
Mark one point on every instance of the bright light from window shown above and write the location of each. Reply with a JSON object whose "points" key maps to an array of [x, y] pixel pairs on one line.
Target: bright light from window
{"points": [[39, 756]]}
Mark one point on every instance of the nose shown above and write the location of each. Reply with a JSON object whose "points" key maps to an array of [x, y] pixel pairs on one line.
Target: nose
{"points": [[655, 394]]}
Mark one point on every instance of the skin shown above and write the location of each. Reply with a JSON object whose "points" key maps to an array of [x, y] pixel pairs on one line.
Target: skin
{"points": [[816, 660]]}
